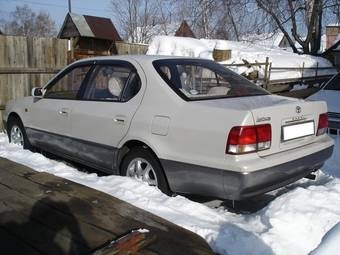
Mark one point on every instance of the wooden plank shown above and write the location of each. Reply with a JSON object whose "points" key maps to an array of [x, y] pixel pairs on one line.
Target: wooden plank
{"points": [[27, 70], [101, 210], [10, 244], [50, 216], [30, 232]]}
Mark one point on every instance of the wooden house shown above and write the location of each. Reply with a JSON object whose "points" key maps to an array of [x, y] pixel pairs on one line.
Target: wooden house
{"points": [[184, 30], [332, 32], [89, 36]]}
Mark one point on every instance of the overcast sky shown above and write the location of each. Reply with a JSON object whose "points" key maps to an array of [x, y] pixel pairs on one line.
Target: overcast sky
{"points": [[59, 8]]}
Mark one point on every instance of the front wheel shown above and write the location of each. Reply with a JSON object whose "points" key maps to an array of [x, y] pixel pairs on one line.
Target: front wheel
{"points": [[141, 164], [17, 134]]}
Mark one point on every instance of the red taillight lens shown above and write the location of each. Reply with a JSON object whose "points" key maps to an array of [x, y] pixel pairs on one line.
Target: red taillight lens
{"points": [[247, 139], [323, 124]]}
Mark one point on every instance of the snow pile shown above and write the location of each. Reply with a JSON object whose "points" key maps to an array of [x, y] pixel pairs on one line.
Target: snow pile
{"points": [[241, 52], [293, 223], [330, 242]]}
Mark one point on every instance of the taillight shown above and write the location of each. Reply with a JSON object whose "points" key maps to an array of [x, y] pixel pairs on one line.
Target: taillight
{"points": [[323, 124], [246, 139]]}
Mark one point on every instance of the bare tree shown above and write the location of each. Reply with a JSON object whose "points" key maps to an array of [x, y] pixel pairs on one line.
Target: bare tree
{"points": [[26, 22], [135, 18], [304, 17]]}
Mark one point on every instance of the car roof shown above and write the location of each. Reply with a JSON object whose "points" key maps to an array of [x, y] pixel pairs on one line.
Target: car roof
{"points": [[138, 58]]}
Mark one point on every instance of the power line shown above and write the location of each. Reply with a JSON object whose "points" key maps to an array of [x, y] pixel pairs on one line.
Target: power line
{"points": [[58, 5]]}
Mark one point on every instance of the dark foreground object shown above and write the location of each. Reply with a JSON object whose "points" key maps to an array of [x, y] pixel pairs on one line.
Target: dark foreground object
{"points": [[44, 214]]}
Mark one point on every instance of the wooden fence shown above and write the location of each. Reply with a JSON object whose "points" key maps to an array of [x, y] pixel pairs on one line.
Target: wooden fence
{"points": [[124, 48], [308, 75], [27, 62]]}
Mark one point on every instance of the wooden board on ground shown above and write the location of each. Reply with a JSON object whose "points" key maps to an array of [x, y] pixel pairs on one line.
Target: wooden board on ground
{"points": [[44, 214]]}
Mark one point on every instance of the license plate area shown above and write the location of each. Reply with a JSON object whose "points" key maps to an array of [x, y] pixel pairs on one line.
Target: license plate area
{"points": [[295, 131]]}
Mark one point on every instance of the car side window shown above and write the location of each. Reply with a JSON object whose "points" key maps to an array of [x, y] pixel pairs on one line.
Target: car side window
{"points": [[68, 86], [334, 84], [132, 87], [111, 83]]}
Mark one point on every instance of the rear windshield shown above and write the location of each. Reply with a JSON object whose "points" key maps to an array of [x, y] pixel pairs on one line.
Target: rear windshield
{"points": [[204, 79]]}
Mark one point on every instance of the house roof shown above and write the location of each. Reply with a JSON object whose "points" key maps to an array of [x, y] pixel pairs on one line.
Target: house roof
{"points": [[145, 34], [184, 30], [76, 25]]}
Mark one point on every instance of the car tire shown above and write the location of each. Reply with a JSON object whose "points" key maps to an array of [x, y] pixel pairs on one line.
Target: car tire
{"points": [[140, 163], [17, 133]]}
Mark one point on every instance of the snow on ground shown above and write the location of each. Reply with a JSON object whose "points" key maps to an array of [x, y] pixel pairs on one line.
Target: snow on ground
{"points": [[293, 223], [203, 48]]}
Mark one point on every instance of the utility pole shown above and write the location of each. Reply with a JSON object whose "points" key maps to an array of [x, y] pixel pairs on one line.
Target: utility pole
{"points": [[69, 44]]}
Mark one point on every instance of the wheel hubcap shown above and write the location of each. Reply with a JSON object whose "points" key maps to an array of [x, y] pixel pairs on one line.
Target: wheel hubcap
{"points": [[141, 169], [17, 136]]}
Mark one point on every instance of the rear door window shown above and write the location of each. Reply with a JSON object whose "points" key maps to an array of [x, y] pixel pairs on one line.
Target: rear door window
{"points": [[202, 79], [112, 83]]}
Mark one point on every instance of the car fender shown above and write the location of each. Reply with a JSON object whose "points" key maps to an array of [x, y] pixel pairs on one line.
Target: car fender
{"points": [[20, 107]]}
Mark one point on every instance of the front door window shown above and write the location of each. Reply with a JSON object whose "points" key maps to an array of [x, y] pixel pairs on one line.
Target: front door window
{"points": [[68, 86]]}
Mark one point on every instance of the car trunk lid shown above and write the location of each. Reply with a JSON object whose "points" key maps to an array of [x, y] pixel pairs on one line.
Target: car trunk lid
{"points": [[294, 123]]}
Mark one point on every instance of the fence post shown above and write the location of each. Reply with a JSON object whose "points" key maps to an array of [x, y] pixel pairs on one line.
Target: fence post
{"points": [[269, 73], [266, 73], [316, 70], [302, 70]]}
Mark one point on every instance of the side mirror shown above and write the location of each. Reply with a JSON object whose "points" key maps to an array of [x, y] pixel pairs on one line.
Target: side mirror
{"points": [[37, 92]]}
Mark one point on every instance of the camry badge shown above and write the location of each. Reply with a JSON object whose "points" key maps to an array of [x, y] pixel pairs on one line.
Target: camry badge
{"points": [[298, 109]]}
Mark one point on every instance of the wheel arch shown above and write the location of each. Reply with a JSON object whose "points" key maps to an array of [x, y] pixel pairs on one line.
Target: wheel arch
{"points": [[128, 145], [133, 143], [11, 116]]}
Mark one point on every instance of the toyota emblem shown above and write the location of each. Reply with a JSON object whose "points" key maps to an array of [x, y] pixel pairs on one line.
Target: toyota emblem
{"points": [[298, 109]]}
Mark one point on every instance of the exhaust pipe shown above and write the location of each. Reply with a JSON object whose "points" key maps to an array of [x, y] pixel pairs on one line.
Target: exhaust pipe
{"points": [[311, 176]]}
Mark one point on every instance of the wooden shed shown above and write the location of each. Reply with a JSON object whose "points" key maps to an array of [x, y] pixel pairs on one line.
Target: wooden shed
{"points": [[184, 30], [89, 36]]}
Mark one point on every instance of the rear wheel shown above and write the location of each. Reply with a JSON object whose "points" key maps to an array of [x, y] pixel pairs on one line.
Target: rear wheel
{"points": [[17, 134], [141, 164]]}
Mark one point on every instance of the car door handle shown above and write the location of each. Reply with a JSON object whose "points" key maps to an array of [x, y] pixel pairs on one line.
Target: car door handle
{"points": [[63, 111], [119, 119]]}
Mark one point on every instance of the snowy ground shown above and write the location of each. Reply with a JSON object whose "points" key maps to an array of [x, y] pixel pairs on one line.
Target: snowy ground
{"points": [[293, 223], [240, 51]]}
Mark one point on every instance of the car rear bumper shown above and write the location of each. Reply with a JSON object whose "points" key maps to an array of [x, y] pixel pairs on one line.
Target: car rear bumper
{"points": [[200, 180]]}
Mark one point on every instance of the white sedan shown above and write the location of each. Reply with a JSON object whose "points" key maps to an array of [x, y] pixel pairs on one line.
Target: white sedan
{"points": [[185, 125]]}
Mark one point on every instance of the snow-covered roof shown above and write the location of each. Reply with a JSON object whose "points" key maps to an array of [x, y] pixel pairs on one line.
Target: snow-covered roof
{"points": [[265, 39], [240, 52], [333, 25]]}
